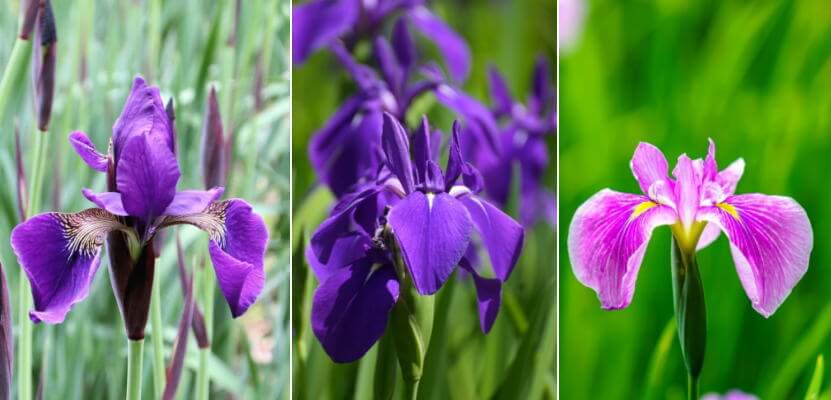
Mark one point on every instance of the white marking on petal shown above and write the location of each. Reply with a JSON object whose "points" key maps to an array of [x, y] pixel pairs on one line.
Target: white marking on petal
{"points": [[430, 197], [459, 191]]}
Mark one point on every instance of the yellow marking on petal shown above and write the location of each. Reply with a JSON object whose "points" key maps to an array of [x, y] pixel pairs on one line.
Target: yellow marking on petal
{"points": [[730, 210], [642, 208]]}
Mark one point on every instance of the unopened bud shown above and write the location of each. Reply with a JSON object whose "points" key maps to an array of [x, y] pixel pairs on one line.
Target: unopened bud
{"points": [[214, 156]]}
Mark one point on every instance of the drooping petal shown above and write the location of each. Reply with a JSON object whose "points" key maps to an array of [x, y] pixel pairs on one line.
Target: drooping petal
{"points": [[771, 241], [59, 254], [346, 250], [237, 248], [110, 201], [433, 232], [86, 149], [319, 22], [607, 239], [488, 295], [502, 235], [397, 150], [143, 113], [453, 48], [351, 308], [146, 177], [649, 166], [193, 201]]}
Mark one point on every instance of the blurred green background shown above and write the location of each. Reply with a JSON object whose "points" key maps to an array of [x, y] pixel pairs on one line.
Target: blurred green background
{"points": [[755, 77], [183, 47], [518, 355]]}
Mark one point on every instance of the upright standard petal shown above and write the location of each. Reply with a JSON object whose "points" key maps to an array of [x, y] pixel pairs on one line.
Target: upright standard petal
{"points": [[59, 254], [86, 149], [351, 308], [143, 113], [452, 47], [433, 232], [607, 240], [771, 241], [397, 150], [501, 234], [146, 177], [649, 166], [319, 22], [500, 94]]}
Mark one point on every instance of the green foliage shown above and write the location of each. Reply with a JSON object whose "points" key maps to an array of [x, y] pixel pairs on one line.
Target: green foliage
{"points": [[753, 76], [182, 47]]}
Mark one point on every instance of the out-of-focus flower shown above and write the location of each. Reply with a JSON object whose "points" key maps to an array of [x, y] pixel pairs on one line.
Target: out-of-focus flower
{"points": [[571, 15], [59, 252], [44, 59], [734, 394], [415, 209], [321, 23], [522, 143], [770, 236]]}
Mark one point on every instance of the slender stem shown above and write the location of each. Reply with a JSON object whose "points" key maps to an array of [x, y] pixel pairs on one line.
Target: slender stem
{"points": [[692, 388], [207, 285], [12, 75], [134, 366], [158, 343]]}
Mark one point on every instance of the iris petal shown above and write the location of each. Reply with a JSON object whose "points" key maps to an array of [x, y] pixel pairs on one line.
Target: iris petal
{"points": [[86, 149], [452, 47], [771, 241], [502, 236], [193, 201], [147, 174], [317, 23], [649, 166], [607, 241], [488, 296]]}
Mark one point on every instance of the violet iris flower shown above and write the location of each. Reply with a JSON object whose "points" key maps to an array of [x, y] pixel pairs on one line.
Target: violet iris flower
{"points": [[416, 210], [770, 236], [522, 142], [734, 394], [343, 152], [60, 252], [321, 23]]}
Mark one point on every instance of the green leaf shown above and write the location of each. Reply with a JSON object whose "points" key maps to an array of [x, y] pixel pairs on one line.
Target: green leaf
{"points": [[816, 380]]}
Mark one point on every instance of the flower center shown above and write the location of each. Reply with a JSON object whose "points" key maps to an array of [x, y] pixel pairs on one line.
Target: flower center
{"points": [[687, 238]]}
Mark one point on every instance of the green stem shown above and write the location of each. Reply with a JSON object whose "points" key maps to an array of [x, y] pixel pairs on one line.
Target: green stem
{"points": [[134, 366], [13, 74], [203, 380], [690, 312], [692, 388], [158, 343]]}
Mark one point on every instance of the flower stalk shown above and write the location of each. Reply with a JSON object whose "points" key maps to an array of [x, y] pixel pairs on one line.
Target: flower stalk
{"points": [[135, 352], [690, 313], [158, 344]]}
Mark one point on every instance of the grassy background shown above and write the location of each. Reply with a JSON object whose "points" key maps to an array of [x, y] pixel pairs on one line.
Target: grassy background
{"points": [[181, 46], [518, 355], [754, 76]]}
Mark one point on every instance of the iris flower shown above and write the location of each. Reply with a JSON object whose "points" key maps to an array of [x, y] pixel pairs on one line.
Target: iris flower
{"points": [[416, 210], [770, 236], [343, 151], [60, 252], [734, 394], [521, 142], [320, 23]]}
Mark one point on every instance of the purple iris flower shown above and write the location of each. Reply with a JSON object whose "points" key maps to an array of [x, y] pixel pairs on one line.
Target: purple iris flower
{"points": [[321, 23], [521, 143], [60, 252], [734, 394], [416, 210], [770, 236], [343, 152]]}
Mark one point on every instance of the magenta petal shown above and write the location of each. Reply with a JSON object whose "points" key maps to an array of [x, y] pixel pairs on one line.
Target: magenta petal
{"points": [[607, 239], [193, 201], [59, 278], [501, 234], [350, 309], [86, 149], [771, 241], [110, 201], [649, 166], [238, 260], [147, 175], [433, 232], [687, 189], [452, 47]]}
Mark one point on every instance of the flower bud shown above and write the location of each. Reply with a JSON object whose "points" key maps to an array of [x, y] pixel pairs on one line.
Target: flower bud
{"points": [[30, 12], [214, 156], [45, 65]]}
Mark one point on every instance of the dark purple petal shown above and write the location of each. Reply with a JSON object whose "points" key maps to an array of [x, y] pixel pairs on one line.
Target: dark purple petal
{"points": [[110, 201], [339, 223], [542, 95], [454, 158], [317, 23], [488, 296], [433, 232], [86, 149], [59, 254], [397, 150], [478, 118], [403, 44], [143, 113], [502, 236], [422, 149], [351, 307], [146, 176], [238, 256], [607, 240], [452, 47], [434, 181], [472, 178], [392, 71], [346, 250], [500, 94], [771, 242], [193, 201]]}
